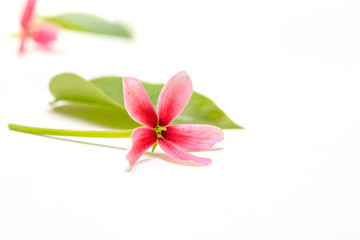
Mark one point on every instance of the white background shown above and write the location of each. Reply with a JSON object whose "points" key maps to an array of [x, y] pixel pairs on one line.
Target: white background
{"points": [[288, 71]]}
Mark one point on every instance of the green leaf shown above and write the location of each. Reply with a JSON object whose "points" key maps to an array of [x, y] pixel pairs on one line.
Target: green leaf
{"points": [[71, 87], [108, 92], [91, 103], [90, 24]]}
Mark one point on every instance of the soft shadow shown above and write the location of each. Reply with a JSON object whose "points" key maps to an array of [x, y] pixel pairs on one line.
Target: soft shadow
{"points": [[103, 116], [169, 159], [82, 142], [211, 149], [139, 163], [166, 158]]}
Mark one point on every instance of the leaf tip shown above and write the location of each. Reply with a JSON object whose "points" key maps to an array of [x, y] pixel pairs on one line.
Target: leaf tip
{"points": [[238, 127]]}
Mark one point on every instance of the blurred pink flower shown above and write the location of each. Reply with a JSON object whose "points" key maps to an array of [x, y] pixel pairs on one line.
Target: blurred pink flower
{"points": [[172, 139], [42, 33]]}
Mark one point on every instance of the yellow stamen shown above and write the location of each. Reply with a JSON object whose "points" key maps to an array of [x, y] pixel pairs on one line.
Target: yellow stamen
{"points": [[158, 129]]}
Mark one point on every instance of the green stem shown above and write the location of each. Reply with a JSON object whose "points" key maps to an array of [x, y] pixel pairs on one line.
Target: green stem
{"points": [[75, 133]]}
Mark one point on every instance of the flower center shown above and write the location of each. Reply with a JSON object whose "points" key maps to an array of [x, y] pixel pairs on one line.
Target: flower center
{"points": [[158, 129]]}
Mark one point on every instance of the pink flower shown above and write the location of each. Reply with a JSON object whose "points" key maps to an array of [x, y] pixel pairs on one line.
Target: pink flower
{"points": [[41, 32], [172, 139]]}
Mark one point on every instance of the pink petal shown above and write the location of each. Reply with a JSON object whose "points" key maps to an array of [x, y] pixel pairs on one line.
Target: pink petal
{"points": [[22, 42], [141, 139], [179, 154], [28, 13], [45, 33], [193, 137], [138, 103], [174, 97]]}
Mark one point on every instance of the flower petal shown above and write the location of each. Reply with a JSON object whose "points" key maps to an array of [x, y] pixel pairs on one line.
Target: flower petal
{"points": [[141, 139], [193, 137], [44, 33], [138, 103], [28, 13], [174, 97], [179, 154], [22, 42]]}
